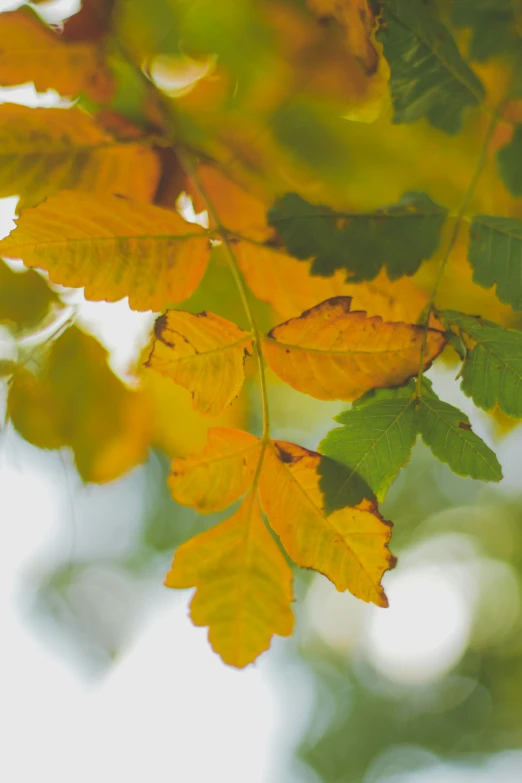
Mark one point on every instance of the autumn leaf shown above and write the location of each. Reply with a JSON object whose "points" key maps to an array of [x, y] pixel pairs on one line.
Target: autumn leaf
{"points": [[47, 150], [60, 406], [204, 353], [25, 298], [220, 474], [113, 248], [333, 353], [349, 546], [356, 20], [32, 52], [243, 585]]}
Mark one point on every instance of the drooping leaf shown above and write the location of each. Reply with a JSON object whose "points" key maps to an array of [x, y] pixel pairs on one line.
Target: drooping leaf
{"points": [[447, 432], [396, 238], [493, 25], [243, 585], [509, 159], [220, 474], [349, 545], [492, 371], [204, 353], [25, 298], [290, 287], [332, 353], [32, 52], [428, 77], [495, 253], [112, 247], [376, 438], [75, 400], [43, 151]]}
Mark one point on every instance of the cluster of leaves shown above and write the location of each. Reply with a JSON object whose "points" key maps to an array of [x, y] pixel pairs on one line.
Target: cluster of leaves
{"points": [[99, 183]]}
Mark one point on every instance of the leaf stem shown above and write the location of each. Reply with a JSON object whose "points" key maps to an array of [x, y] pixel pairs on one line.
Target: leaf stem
{"points": [[242, 289], [459, 219]]}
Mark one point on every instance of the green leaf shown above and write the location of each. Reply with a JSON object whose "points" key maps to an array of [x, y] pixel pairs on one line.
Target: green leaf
{"points": [[448, 433], [428, 78], [398, 237], [25, 298], [509, 160], [492, 372], [492, 23], [376, 438], [495, 253]]}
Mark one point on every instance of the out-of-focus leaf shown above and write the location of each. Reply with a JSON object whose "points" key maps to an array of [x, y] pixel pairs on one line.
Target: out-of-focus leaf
{"points": [[509, 160], [77, 401], [25, 298], [46, 150], [349, 545], [495, 253], [376, 438], [428, 77], [493, 25], [204, 353], [492, 372], [113, 248], [335, 354], [243, 585], [32, 52], [397, 238], [92, 22], [447, 431], [220, 474], [356, 20], [290, 287]]}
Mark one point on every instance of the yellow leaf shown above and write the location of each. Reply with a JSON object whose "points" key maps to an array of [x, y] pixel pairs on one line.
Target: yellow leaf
{"points": [[46, 150], [244, 585], [220, 474], [349, 546], [356, 21], [32, 52], [332, 353], [287, 284], [113, 247], [204, 353], [77, 401]]}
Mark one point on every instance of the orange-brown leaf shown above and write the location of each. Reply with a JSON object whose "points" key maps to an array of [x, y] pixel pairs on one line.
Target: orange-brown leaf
{"points": [[349, 546], [220, 474], [204, 353], [32, 52], [243, 585], [333, 353], [112, 247]]}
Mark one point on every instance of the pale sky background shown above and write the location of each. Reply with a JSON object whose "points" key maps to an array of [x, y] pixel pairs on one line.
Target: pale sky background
{"points": [[169, 709]]}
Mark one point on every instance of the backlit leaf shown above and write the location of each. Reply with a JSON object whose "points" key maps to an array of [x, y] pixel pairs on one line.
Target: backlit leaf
{"points": [[25, 298], [335, 354], [243, 585], [376, 438], [448, 433], [75, 400], [492, 371], [428, 77], [290, 287], [495, 253], [509, 160], [220, 474], [46, 150], [396, 238], [204, 353], [32, 52], [112, 247], [349, 546]]}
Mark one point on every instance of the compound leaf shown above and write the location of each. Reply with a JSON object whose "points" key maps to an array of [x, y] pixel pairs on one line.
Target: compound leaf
{"points": [[332, 353], [349, 545], [113, 247], [204, 353], [396, 238], [428, 77], [220, 474], [495, 253], [243, 585]]}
